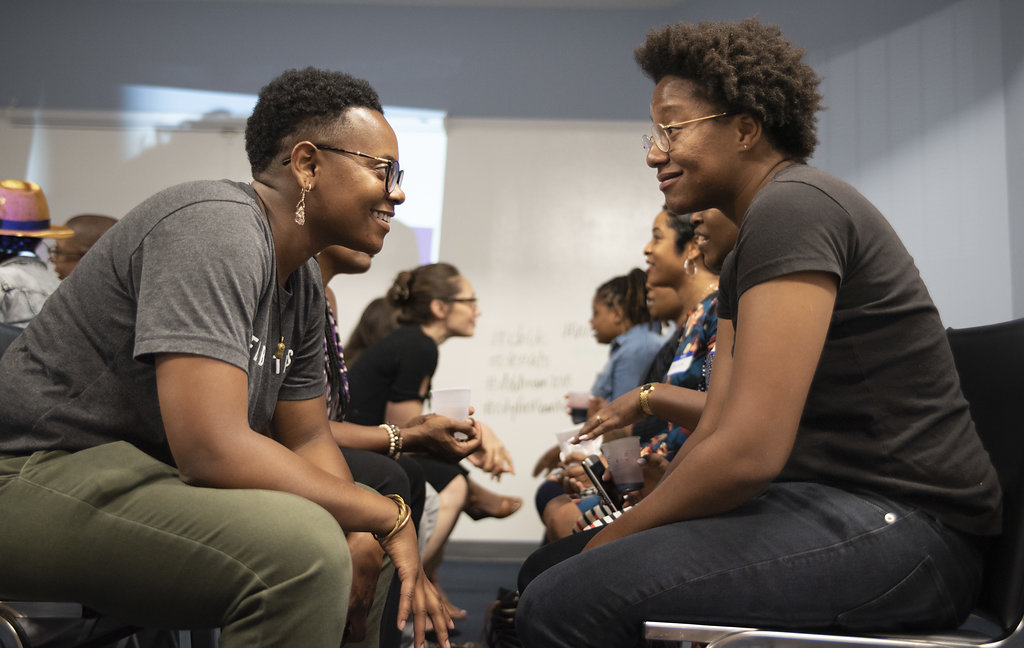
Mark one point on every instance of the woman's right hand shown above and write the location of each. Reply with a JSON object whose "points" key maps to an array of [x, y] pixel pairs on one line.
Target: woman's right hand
{"points": [[548, 461], [623, 411], [418, 594], [441, 437]]}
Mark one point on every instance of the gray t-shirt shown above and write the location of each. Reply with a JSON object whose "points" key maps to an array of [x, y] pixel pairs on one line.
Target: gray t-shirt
{"points": [[190, 270], [885, 412]]}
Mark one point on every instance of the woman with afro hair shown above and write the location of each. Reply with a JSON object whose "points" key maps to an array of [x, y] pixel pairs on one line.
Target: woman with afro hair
{"points": [[835, 480]]}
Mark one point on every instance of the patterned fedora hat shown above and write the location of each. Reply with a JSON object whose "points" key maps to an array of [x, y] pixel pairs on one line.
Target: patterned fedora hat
{"points": [[23, 212]]}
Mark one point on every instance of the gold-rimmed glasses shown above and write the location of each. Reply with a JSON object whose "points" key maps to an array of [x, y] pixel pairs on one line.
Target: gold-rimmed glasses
{"points": [[661, 134]]}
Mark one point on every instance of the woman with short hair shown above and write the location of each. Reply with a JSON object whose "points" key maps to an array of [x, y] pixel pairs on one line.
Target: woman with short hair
{"points": [[169, 440], [835, 479]]}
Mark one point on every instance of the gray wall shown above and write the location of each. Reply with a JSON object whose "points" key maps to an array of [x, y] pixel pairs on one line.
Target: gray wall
{"points": [[490, 63]]}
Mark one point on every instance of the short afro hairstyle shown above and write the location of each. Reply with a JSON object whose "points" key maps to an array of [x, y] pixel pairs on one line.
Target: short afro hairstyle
{"points": [[301, 102], [743, 67]]}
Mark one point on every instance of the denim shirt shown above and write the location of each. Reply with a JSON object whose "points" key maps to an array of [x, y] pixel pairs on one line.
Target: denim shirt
{"points": [[25, 283], [631, 353]]}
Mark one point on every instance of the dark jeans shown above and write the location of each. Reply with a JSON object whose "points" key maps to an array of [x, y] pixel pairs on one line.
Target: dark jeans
{"points": [[801, 556]]}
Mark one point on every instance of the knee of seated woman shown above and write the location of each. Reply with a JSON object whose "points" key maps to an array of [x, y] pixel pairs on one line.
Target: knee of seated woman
{"points": [[297, 537]]}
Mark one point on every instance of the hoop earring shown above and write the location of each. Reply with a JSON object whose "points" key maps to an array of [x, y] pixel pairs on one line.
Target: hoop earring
{"points": [[689, 267], [300, 209]]}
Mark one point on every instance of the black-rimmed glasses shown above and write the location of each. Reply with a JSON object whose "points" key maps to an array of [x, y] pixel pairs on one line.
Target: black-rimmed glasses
{"points": [[660, 135], [393, 173]]}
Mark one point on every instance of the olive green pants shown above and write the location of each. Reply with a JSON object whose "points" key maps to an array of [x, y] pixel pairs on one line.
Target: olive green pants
{"points": [[119, 532]]}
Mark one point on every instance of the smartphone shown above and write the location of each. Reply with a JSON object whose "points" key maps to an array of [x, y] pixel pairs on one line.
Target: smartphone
{"points": [[594, 468]]}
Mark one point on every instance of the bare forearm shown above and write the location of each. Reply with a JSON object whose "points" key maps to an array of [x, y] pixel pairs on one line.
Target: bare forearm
{"points": [[710, 481], [323, 452], [363, 437], [255, 461], [680, 405]]}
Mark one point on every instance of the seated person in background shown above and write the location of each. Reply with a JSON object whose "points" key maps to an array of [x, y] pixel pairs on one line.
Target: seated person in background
{"points": [[392, 378], [674, 260], [620, 320], [835, 479], [376, 322], [88, 228], [170, 442], [674, 263], [377, 461], [25, 281]]}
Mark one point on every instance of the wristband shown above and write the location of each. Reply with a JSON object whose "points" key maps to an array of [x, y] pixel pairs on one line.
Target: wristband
{"points": [[404, 513], [645, 393]]}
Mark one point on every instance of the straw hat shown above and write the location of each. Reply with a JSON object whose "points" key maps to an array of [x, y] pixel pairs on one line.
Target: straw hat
{"points": [[23, 212]]}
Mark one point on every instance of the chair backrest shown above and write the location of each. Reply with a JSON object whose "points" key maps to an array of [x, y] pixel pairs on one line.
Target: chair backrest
{"points": [[7, 335], [990, 363]]}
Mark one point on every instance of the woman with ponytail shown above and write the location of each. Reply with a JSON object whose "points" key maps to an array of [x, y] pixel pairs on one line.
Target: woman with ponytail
{"points": [[391, 381]]}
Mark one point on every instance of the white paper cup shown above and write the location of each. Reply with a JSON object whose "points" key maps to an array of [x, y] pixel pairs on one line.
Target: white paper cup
{"points": [[453, 403], [585, 448], [622, 455]]}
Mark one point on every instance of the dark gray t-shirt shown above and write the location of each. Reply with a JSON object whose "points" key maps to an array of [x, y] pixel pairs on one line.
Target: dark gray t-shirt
{"points": [[885, 412], [190, 270]]}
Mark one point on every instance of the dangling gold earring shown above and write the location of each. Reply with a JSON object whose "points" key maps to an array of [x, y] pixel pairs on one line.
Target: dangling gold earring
{"points": [[690, 267], [300, 209]]}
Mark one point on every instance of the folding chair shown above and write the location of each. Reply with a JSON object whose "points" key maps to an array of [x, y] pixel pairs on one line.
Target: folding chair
{"points": [[990, 363]]}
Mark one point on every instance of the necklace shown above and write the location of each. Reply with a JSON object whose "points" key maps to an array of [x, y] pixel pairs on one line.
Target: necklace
{"points": [[279, 352]]}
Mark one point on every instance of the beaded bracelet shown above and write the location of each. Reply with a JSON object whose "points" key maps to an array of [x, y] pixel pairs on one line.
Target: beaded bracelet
{"points": [[404, 513], [394, 439]]}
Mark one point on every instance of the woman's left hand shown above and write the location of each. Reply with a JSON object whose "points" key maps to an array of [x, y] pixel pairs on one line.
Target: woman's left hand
{"points": [[418, 594], [492, 457], [654, 467]]}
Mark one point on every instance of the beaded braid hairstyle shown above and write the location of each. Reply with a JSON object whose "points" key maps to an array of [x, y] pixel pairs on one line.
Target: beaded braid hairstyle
{"points": [[628, 293], [414, 290], [743, 67]]}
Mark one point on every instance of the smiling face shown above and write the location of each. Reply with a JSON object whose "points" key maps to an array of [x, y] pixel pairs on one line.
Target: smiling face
{"points": [[696, 173], [462, 311], [665, 265], [349, 204], [715, 236]]}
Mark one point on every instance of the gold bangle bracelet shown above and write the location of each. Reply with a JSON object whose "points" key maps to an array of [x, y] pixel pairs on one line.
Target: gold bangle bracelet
{"points": [[645, 394], [404, 513]]}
